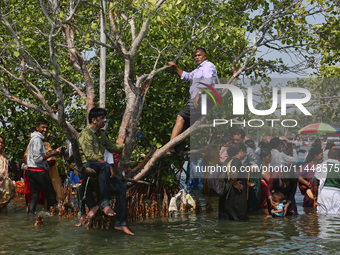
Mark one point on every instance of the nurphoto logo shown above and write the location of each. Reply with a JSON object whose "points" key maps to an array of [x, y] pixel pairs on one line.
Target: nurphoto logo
{"points": [[238, 100]]}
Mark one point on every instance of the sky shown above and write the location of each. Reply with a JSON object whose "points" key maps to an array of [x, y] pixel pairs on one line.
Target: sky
{"points": [[273, 54]]}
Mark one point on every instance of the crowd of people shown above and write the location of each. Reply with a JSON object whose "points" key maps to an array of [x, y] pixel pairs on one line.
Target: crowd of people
{"points": [[271, 180], [272, 177], [43, 184], [41, 179]]}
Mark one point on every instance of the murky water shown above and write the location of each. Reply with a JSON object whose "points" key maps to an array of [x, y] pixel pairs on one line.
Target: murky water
{"points": [[188, 233]]}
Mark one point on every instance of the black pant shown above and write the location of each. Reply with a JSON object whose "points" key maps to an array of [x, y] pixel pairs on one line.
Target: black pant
{"points": [[89, 198], [116, 186], [80, 195], [40, 180], [190, 114]]}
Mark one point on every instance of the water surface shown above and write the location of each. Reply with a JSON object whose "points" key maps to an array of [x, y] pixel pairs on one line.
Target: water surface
{"points": [[187, 233]]}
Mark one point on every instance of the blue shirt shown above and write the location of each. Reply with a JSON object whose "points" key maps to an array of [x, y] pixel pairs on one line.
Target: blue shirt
{"points": [[205, 73], [278, 207]]}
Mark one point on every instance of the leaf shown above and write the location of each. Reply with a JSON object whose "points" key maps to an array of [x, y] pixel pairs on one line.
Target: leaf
{"points": [[16, 53], [152, 2], [94, 26]]}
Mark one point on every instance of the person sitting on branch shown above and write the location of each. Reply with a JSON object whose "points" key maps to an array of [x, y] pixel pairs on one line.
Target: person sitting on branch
{"points": [[92, 144]]}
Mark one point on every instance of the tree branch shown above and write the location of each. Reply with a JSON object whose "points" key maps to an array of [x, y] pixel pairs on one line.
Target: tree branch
{"points": [[193, 38], [27, 58], [72, 49], [36, 94], [12, 98], [75, 87], [178, 139], [46, 13], [131, 21], [122, 49]]}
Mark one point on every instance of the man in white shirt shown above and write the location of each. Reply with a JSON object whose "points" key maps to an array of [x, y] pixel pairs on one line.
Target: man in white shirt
{"points": [[205, 73], [279, 158]]}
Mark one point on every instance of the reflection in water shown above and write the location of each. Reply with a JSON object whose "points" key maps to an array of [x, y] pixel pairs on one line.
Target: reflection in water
{"points": [[329, 227], [308, 223]]}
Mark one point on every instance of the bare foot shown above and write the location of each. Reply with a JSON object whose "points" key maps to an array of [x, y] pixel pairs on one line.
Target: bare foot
{"points": [[125, 230], [168, 153], [92, 212], [82, 220], [108, 211], [172, 152]]}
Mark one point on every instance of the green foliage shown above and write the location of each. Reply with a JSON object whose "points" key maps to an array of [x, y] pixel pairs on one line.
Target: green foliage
{"points": [[327, 38], [169, 180], [63, 168], [227, 38], [325, 93]]}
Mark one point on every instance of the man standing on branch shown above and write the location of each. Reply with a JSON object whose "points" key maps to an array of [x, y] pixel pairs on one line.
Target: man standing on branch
{"points": [[37, 167], [205, 73], [92, 144]]}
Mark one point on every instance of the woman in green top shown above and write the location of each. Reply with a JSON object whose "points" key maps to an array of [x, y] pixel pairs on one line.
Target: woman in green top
{"points": [[327, 182]]}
